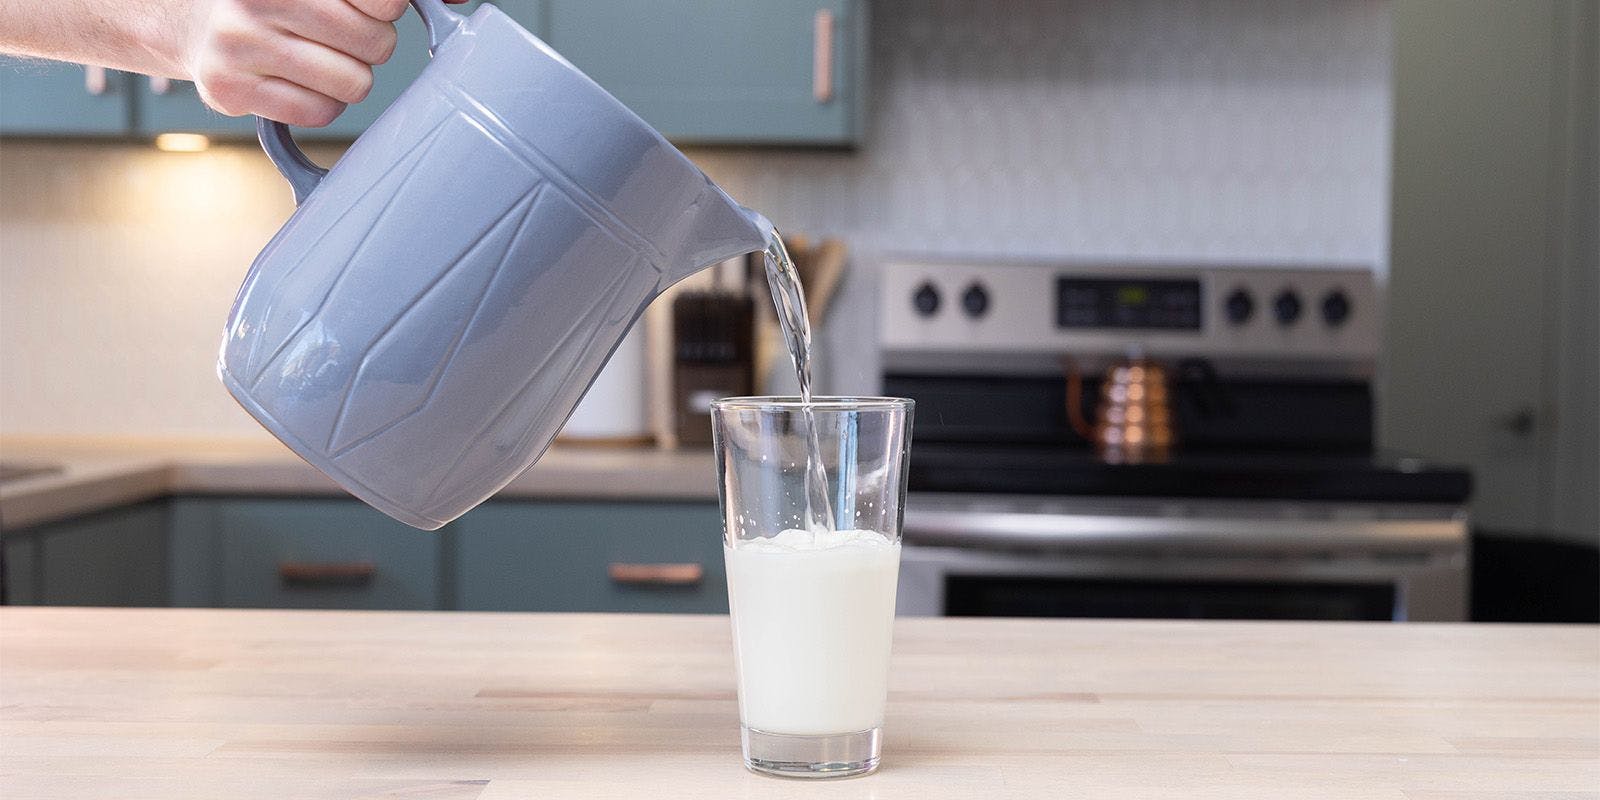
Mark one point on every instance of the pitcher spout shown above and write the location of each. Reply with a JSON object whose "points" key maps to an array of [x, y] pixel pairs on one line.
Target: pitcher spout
{"points": [[720, 229]]}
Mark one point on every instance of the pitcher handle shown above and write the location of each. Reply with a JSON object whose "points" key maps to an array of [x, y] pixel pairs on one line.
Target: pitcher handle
{"points": [[301, 172]]}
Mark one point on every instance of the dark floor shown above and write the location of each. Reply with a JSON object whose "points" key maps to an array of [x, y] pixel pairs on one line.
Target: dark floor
{"points": [[1519, 579]]}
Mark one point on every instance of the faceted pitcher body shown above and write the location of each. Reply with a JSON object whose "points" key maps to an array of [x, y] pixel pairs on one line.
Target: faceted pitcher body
{"points": [[423, 325]]}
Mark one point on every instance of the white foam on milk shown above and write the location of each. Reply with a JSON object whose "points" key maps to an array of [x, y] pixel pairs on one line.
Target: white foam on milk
{"points": [[794, 540]]}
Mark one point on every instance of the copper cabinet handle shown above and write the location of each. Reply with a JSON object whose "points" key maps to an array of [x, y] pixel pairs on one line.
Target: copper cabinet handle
{"points": [[337, 573], [688, 574], [822, 56], [94, 80]]}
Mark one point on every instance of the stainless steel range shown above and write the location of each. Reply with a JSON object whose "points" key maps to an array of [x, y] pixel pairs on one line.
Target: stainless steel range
{"points": [[1270, 501]]}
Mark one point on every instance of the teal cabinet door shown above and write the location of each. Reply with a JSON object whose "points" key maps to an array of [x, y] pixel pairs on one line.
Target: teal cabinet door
{"points": [[19, 571], [113, 558], [322, 553], [572, 556], [178, 108], [194, 547], [725, 71], [49, 98]]}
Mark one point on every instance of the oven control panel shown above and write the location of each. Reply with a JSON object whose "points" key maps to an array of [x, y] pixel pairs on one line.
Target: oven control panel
{"points": [[931, 307], [1131, 304]]}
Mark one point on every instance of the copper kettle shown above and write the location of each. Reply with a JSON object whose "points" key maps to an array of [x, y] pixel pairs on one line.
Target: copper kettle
{"points": [[1133, 420]]}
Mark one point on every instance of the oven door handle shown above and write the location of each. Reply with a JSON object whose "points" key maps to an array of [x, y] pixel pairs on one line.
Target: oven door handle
{"points": [[986, 528]]}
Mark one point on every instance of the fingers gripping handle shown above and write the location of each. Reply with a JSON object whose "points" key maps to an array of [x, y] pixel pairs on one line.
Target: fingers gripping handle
{"points": [[301, 172]]}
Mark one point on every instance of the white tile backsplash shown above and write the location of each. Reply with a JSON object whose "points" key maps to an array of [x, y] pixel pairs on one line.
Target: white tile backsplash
{"points": [[1252, 130], [1128, 129]]}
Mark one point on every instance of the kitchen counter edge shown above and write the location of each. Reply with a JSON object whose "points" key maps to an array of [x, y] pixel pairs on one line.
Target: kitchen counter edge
{"points": [[95, 477]]}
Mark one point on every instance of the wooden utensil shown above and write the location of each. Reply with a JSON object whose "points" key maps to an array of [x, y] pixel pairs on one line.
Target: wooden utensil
{"points": [[821, 270]]}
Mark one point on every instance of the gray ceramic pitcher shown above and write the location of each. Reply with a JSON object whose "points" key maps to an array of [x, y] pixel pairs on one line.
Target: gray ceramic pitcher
{"points": [[430, 315]]}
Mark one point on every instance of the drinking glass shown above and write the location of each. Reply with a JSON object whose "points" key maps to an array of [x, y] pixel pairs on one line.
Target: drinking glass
{"points": [[812, 605]]}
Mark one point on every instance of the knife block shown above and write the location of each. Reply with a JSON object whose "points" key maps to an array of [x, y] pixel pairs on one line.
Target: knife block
{"points": [[713, 357]]}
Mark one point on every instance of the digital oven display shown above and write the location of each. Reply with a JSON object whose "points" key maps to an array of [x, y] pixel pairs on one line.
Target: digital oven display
{"points": [[1128, 304]]}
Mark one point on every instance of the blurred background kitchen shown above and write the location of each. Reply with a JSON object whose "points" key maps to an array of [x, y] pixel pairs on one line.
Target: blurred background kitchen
{"points": [[1266, 309]]}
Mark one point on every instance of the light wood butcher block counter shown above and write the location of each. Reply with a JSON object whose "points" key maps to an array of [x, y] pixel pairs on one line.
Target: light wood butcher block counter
{"points": [[294, 704]]}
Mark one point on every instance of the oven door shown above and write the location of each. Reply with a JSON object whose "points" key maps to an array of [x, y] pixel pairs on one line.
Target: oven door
{"points": [[1061, 558]]}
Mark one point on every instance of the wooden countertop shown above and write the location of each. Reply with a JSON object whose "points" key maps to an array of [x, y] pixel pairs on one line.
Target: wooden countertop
{"points": [[275, 704], [103, 473]]}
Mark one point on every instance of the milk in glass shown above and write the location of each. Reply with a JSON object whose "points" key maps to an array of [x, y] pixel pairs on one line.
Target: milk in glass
{"points": [[812, 618]]}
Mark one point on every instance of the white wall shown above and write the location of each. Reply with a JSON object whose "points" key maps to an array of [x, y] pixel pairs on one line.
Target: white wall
{"points": [[1253, 131], [117, 267]]}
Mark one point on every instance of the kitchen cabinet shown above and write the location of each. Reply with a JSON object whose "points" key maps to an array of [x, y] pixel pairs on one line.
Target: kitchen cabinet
{"points": [[113, 558], [701, 71], [577, 556], [49, 98], [724, 71], [177, 107], [18, 581], [291, 552], [299, 553]]}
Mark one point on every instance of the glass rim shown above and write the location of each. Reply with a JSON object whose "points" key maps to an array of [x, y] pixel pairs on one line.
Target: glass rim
{"points": [[818, 403]]}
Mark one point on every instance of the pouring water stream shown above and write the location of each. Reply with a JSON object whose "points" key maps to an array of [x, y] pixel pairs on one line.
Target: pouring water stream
{"points": [[790, 302]]}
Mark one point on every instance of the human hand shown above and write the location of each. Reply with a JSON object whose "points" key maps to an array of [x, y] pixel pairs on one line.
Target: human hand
{"points": [[295, 61]]}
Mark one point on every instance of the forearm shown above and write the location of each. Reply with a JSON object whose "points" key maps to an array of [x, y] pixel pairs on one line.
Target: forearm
{"points": [[144, 36]]}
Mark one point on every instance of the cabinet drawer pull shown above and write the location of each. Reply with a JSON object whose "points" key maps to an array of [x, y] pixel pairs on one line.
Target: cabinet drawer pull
{"points": [[822, 56], [656, 574], [338, 573], [160, 85]]}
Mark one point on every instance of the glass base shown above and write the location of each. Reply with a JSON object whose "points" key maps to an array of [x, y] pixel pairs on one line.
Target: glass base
{"points": [[837, 755]]}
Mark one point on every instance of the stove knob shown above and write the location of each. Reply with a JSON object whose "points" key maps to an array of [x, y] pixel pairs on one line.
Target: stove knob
{"points": [[1287, 307], [926, 300], [975, 300], [1335, 308], [1239, 306]]}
